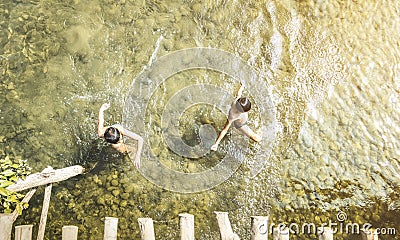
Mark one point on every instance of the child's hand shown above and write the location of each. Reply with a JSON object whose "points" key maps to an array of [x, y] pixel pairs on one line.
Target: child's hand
{"points": [[214, 147], [137, 163], [239, 94], [105, 106], [257, 138]]}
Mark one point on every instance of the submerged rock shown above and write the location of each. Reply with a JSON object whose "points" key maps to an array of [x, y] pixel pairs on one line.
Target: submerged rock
{"points": [[114, 182]]}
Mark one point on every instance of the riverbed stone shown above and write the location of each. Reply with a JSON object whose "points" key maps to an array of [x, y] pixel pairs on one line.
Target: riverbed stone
{"points": [[114, 182], [125, 196]]}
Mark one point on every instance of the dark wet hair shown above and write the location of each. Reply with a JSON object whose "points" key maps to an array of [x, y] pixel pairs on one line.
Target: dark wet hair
{"points": [[243, 104], [112, 135]]}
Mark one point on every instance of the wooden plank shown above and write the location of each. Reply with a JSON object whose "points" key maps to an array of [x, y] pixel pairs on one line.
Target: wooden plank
{"points": [[281, 234], [369, 234], [325, 233], [70, 233], [6, 223], [46, 177], [225, 228], [45, 210], [146, 229], [186, 222], [110, 228], [26, 199], [23, 232], [259, 228]]}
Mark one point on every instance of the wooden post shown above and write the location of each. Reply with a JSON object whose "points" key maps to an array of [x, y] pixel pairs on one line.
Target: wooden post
{"points": [[369, 234], [6, 223], [23, 232], [69, 233], [146, 229], [45, 211], [186, 222], [281, 234], [325, 233], [225, 228], [259, 228], [110, 228]]}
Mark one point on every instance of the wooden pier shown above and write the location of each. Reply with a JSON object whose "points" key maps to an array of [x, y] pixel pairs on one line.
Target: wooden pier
{"points": [[47, 177], [260, 230], [186, 224]]}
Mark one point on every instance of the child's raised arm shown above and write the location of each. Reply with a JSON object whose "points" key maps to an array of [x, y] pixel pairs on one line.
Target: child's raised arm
{"points": [[100, 127], [239, 94], [135, 136], [221, 136]]}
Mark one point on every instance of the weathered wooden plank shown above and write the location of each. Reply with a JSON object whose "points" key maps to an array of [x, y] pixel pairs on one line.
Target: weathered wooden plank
{"points": [[46, 177], [369, 234], [186, 222], [6, 223], [146, 229], [23, 232], [281, 234], [225, 228], [325, 233], [259, 228], [45, 210], [110, 228], [26, 199], [70, 233]]}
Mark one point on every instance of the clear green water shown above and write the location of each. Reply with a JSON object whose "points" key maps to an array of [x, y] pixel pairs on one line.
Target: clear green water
{"points": [[335, 82]]}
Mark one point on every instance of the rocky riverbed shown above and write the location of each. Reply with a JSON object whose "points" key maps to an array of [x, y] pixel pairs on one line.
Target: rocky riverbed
{"points": [[333, 72]]}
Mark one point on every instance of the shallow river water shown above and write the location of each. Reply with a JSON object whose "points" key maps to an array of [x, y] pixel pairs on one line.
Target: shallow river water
{"points": [[330, 71]]}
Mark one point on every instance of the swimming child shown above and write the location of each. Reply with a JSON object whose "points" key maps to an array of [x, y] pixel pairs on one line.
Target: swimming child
{"points": [[114, 135], [238, 116]]}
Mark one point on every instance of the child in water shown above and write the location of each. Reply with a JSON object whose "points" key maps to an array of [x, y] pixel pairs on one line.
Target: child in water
{"points": [[238, 116], [114, 135]]}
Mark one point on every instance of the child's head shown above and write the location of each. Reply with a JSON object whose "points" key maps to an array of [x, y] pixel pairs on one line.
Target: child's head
{"points": [[243, 104], [112, 135]]}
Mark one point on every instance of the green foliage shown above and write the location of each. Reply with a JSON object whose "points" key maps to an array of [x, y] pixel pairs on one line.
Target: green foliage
{"points": [[10, 171]]}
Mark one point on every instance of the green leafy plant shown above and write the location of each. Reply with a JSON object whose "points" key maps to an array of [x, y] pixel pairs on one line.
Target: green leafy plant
{"points": [[10, 171]]}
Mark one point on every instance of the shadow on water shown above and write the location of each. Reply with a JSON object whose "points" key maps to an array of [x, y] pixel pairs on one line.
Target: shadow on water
{"points": [[94, 156]]}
